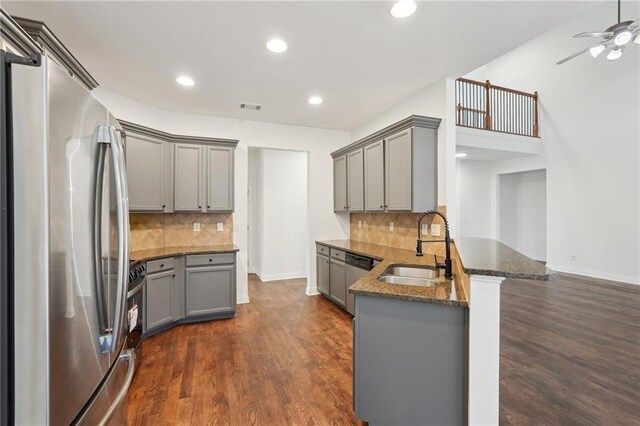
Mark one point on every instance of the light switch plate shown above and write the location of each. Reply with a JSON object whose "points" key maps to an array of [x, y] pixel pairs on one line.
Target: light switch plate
{"points": [[391, 226], [435, 230], [220, 226], [359, 224], [236, 227], [196, 226], [425, 229]]}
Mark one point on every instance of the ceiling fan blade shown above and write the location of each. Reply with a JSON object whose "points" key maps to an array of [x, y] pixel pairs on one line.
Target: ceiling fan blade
{"points": [[593, 34], [635, 24], [568, 58]]}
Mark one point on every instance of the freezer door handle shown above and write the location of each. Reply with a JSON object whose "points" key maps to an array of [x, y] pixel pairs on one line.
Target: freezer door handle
{"points": [[109, 341], [130, 356]]}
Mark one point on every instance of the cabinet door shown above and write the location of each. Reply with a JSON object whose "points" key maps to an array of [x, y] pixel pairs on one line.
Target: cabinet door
{"points": [[374, 177], [340, 184], [323, 278], [219, 178], [145, 174], [398, 189], [210, 290], [355, 181], [159, 304], [338, 283], [188, 177]]}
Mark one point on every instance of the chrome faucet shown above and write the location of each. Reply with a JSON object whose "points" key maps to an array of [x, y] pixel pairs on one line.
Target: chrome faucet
{"points": [[448, 270]]}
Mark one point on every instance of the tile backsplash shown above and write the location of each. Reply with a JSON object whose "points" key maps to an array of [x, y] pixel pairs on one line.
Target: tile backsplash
{"points": [[157, 230], [374, 228]]}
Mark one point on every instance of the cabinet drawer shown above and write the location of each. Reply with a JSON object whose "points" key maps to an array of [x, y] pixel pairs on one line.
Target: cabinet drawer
{"points": [[211, 259], [337, 254], [159, 265], [322, 249]]}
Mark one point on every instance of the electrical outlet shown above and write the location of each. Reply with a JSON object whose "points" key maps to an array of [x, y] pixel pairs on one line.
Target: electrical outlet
{"points": [[572, 258], [220, 226], [360, 224], [391, 226], [435, 230], [236, 227], [425, 229], [196, 226]]}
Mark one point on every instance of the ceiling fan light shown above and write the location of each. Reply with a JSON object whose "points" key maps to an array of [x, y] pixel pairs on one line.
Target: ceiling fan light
{"points": [[623, 38], [616, 53], [596, 50], [637, 39]]}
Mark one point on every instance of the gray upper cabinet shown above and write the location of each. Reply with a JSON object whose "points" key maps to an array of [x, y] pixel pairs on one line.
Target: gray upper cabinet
{"points": [[219, 178], [340, 184], [146, 179], [210, 290], [159, 307], [355, 181], [374, 177], [188, 177], [398, 188], [392, 170]]}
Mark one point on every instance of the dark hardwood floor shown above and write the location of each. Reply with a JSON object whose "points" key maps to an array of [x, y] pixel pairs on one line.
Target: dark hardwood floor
{"points": [[570, 354]]}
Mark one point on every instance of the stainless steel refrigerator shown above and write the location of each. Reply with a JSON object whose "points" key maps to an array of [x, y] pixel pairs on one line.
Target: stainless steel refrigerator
{"points": [[64, 232]]}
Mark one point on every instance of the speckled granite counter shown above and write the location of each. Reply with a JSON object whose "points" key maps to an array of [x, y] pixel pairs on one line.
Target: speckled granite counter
{"points": [[482, 256], [159, 253], [446, 292]]}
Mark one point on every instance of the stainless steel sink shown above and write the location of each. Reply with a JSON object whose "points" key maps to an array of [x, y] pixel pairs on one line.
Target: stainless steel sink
{"points": [[422, 277]]}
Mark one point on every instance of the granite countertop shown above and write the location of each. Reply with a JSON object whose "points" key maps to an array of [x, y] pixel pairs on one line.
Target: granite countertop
{"points": [[159, 253], [483, 256], [445, 292]]}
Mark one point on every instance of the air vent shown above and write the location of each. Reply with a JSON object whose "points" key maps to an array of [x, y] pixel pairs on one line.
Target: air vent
{"points": [[247, 105]]}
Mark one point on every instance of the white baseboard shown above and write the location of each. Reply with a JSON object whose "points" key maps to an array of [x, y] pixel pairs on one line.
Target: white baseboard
{"points": [[281, 276], [312, 291], [242, 298], [594, 274]]}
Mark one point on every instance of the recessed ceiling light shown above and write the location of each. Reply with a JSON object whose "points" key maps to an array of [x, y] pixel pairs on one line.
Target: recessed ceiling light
{"points": [[185, 81], [461, 154], [315, 100], [276, 45], [403, 8]]}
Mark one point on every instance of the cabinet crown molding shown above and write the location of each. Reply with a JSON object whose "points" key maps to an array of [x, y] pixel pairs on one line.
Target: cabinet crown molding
{"points": [[411, 121], [47, 40], [168, 137]]}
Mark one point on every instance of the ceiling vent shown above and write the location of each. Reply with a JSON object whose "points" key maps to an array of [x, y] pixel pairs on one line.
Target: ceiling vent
{"points": [[247, 105]]}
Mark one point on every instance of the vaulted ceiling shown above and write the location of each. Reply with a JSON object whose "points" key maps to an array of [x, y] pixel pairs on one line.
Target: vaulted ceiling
{"points": [[355, 55]]}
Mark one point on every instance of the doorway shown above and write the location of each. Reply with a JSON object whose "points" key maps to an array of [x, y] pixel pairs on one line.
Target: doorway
{"points": [[522, 212], [278, 214]]}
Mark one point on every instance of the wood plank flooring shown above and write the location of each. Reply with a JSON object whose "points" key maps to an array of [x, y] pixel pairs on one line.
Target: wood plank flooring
{"points": [[570, 354]]}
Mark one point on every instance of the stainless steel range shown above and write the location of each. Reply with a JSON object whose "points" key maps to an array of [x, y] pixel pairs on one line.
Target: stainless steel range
{"points": [[135, 295]]}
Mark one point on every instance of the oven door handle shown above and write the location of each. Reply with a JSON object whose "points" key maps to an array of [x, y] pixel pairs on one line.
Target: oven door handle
{"points": [[136, 289]]}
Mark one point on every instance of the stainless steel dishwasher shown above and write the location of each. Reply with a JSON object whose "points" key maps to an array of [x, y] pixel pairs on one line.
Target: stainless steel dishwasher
{"points": [[356, 267]]}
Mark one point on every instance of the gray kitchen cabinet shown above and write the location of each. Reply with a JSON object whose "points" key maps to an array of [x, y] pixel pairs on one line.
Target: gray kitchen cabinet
{"points": [[374, 177], [340, 184], [146, 174], [398, 188], [188, 177], [355, 181], [323, 274], [338, 282], [159, 303], [219, 178], [210, 290]]}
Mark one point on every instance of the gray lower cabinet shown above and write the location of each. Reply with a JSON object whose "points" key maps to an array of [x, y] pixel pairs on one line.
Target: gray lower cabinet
{"points": [[210, 290], [338, 282], [187, 177], [355, 181], [398, 190], [374, 177], [219, 178], [340, 184], [410, 362], [159, 304], [323, 274]]}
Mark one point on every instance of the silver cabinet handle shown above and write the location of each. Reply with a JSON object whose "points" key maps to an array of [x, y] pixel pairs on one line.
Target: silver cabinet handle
{"points": [[128, 355]]}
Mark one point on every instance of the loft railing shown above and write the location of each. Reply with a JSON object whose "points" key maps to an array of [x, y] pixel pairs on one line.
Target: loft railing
{"points": [[500, 109]]}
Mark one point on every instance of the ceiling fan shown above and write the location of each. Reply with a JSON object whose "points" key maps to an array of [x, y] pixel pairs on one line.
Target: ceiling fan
{"points": [[616, 36]]}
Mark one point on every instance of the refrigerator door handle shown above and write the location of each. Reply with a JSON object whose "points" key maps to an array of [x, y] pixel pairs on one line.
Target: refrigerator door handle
{"points": [[108, 135], [101, 300], [128, 355]]}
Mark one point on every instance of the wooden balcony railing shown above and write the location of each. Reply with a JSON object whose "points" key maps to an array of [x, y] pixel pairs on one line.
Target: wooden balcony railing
{"points": [[485, 106]]}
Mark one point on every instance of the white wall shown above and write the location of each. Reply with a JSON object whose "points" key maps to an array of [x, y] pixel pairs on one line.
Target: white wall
{"points": [[279, 235], [589, 115], [319, 143], [476, 199], [522, 209], [254, 209]]}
